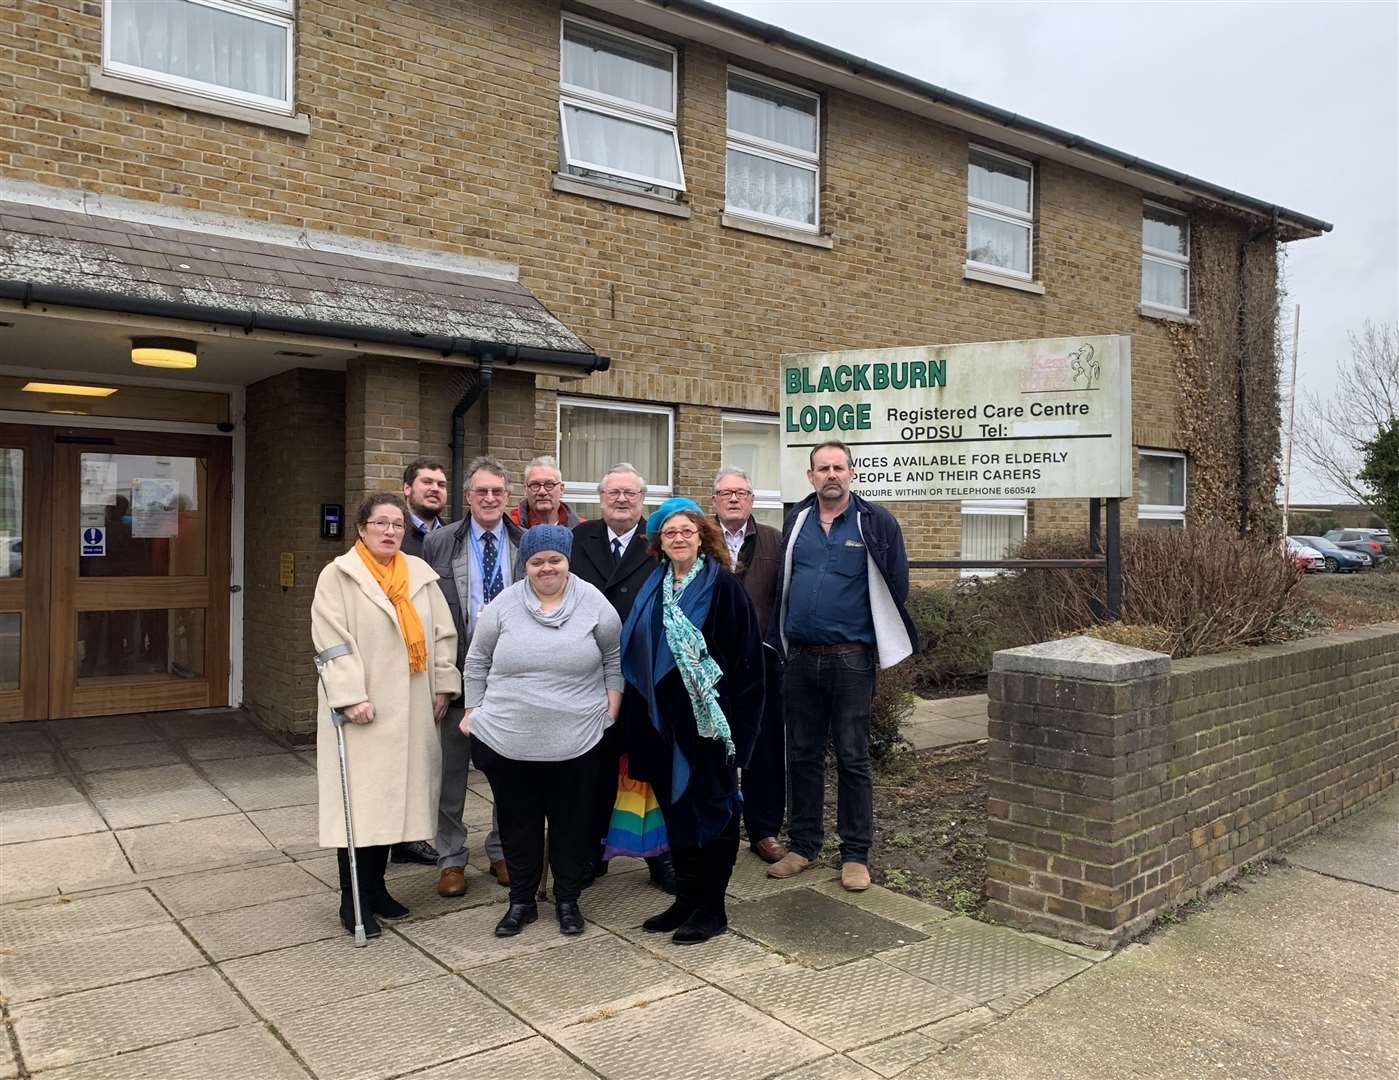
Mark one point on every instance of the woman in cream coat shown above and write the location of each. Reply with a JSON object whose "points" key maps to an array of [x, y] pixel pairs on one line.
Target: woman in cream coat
{"points": [[393, 687]]}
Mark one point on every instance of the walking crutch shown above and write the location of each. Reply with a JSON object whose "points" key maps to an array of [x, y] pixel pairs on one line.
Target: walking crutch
{"points": [[337, 719]]}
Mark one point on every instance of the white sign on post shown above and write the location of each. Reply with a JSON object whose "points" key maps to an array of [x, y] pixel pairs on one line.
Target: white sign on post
{"points": [[1043, 419]]}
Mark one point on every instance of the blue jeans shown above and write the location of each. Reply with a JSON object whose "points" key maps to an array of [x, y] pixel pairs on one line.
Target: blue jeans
{"points": [[830, 694]]}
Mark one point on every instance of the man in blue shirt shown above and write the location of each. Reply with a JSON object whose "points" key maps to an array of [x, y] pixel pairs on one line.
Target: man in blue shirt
{"points": [[425, 491], [840, 614]]}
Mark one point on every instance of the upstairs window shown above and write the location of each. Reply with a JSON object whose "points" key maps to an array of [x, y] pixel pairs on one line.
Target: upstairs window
{"points": [[1165, 258], [1160, 489], [594, 435], [240, 51], [773, 162], [617, 109], [1000, 213]]}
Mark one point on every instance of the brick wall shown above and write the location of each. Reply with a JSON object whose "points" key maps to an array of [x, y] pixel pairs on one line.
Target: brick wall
{"points": [[437, 124], [1123, 784]]}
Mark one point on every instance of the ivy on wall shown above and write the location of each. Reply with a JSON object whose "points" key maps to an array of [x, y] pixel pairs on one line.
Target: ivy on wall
{"points": [[1227, 367]]}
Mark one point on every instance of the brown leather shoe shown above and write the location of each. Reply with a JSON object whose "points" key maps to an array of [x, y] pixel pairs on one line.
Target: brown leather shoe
{"points": [[499, 872], [854, 876], [769, 849], [452, 882], [790, 865]]}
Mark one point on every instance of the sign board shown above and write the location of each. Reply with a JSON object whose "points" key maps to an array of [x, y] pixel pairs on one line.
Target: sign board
{"points": [[286, 569], [1042, 419], [94, 541]]}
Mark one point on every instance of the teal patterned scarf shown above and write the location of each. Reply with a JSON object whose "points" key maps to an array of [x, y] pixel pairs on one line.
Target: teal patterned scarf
{"points": [[698, 670]]}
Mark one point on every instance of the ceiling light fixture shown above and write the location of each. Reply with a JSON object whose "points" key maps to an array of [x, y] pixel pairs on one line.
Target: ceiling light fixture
{"points": [[70, 389], [164, 352]]}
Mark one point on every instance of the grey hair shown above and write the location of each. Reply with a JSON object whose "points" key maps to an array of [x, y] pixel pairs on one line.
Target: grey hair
{"points": [[732, 470], [544, 461], [489, 464], [623, 466]]}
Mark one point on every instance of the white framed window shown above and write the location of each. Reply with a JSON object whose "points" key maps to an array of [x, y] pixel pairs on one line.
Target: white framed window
{"points": [[240, 51], [617, 108], [595, 434], [753, 444], [773, 163], [1000, 213], [1165, 258], [990, 528], [1160, 489]]}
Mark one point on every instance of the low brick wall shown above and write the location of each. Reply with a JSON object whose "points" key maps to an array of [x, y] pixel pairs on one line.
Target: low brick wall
{"points": [[1122, 783]]}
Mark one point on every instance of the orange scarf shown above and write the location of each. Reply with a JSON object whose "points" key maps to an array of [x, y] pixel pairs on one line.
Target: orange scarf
{"points": [[393, 579]]}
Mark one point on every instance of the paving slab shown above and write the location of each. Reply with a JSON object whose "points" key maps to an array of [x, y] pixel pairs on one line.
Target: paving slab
{"points": [[532, 1059], [276, 925], [818, 930], [835, 1067], [415, 887], [750, 879], [1362, 848], [983, 963], [847, 1006], [61, 919], [466, 939], [80, 734], [203, 894], [62, 967], [202, 842], [726, 955], [230, 746], [694, 1036], [43, 810], [242, 1053], [291, 828], [27, 766], [280, 983], [619, 900], [125, 756], [74, 862], [962, 1026], [261, 783], [9, 1068], [889, 1057], [204, 723], [401, 1030], [116, 1019], [150, 796], [896, 907], [561, 986], [22, 739]]}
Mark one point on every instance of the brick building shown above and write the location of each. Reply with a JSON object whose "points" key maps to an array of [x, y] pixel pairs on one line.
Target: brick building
{"points": [[362, 216]]}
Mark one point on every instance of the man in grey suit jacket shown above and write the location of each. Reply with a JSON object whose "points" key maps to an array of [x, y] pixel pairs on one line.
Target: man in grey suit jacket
{"points": [[475, 559]]}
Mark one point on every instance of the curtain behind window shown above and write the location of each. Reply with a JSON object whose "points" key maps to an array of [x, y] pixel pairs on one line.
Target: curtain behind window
{"points": [[208, 45], [593, 440], [11, 509], [618, 68], [990, 536]]}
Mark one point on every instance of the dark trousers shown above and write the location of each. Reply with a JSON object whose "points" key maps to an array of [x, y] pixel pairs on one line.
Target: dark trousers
{"points": [[765, 777], [830, 694], [607, 756], [529, 794], [702, 873]]}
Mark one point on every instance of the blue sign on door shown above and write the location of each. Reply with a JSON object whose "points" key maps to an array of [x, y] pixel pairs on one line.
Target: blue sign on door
{"points": [[94, 541]]}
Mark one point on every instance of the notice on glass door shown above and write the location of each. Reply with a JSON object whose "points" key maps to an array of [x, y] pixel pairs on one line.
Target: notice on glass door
{"points": [[155, 503]]}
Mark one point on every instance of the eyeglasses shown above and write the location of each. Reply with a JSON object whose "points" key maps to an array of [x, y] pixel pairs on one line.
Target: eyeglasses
{"points": [[489, 493], [737, 493], [621, 494], [542, 485], [683, 533], [384, 525]]}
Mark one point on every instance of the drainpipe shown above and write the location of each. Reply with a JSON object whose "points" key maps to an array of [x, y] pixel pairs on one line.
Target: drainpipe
{"points": [[473, 393]]}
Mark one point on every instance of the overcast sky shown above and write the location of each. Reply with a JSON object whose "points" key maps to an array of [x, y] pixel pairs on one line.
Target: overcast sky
{"points": [[1294, 103]]}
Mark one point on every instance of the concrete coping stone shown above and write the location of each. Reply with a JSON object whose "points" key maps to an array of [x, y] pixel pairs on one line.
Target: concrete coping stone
{"points": [[1090, 659]]}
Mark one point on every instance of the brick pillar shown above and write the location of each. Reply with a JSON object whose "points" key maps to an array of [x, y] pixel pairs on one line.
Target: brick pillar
{"points": [[1077, 826], [383, 432]]}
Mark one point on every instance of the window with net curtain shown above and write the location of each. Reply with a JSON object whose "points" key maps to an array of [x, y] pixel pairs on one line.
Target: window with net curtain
{"points": [[595, 436], [1000, 222], [237, 50], [618, 109], [772, 162], [753, 445], [11, 510], [990, 529], [1160, 490], [1165, 258]]}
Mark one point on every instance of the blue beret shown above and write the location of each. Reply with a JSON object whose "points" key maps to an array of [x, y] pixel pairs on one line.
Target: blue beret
{"points": [[668, 509]]}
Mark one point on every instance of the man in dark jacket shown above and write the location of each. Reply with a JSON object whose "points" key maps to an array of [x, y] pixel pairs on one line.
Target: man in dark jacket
{"points": [[838, 613], [611, 554], [543, 502], [755, 555], [425, 492], [475, 560]]}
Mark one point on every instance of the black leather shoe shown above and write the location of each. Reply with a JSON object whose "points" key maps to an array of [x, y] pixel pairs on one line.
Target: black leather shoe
{"points": [[347, 916], [515, 919], [700, 926], [662, 873], [570, 918], [419, 851]]}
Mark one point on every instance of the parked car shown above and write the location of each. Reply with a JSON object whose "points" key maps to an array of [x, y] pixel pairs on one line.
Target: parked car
{"points": [[1338, 559], [1306, 558], [1359, 540]]}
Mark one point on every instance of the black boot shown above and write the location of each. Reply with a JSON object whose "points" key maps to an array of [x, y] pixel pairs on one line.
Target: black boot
{"points": [[570, 918], [515, 919], [662, 869], [684, 863], [709, 918], [382, 903], [347, 901]]}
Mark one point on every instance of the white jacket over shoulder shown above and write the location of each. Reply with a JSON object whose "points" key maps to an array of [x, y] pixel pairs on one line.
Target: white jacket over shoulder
{"points": [[395, 762]]}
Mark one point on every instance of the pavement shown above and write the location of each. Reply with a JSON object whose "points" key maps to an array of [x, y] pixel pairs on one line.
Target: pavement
{"points": [[165, 913], [946, 721]]}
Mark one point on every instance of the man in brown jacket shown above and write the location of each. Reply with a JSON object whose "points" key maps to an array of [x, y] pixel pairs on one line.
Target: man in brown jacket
{"points": [[755, 555]]}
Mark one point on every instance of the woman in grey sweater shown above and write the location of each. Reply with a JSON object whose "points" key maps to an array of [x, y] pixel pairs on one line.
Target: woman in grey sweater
{"points": [[543, 681]]}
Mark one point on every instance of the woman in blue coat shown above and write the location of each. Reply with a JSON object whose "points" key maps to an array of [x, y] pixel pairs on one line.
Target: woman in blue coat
{"points": [[693, 661]]}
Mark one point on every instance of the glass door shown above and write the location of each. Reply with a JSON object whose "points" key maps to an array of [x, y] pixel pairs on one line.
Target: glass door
{"points": [[24, 573]]}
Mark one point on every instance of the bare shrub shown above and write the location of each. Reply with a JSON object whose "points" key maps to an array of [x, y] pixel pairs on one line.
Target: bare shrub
{"points": [[892, 705], [1206, 589]]}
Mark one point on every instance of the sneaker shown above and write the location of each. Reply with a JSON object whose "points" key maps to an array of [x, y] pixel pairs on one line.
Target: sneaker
{"points": [[790, 865]]}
